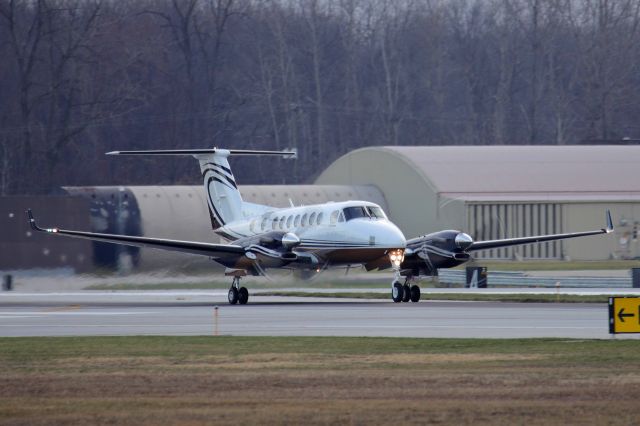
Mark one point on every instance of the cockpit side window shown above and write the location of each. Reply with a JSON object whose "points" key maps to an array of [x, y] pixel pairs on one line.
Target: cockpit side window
{"points": [[351, 213], [376, 212]]}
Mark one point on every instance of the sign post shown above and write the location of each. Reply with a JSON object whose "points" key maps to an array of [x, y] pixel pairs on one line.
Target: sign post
{"points": [[624, 315]]}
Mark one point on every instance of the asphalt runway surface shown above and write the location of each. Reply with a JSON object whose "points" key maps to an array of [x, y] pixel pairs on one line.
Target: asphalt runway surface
{"points": [[194, 313]]}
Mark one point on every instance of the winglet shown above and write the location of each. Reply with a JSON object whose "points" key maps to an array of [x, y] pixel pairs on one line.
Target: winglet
{"points": [[609, 227], [32, 221], [34, 226]]}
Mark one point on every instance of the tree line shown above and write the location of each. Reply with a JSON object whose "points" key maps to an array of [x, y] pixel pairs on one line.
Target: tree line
{"points": [[82, 77]]}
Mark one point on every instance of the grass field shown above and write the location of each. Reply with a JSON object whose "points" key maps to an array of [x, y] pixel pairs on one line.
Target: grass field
{"points": [[270, 380], [555, 265], [475, 297], [372, 280]]}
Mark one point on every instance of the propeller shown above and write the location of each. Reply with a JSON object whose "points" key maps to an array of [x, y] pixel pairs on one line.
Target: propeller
{"points": [[423, 254]]}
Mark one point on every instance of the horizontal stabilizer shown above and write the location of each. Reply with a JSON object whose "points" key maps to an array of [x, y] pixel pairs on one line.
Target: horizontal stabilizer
{"points": [[293, 154]]}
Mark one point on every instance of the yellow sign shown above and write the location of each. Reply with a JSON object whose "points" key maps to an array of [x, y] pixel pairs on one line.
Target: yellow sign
{"points": [[624, 315]]}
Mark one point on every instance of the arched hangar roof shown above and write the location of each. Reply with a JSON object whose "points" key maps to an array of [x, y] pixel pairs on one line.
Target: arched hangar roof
{"points": [[498, 173]]}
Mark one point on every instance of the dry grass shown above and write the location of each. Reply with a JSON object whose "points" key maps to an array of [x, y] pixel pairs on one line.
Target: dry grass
{"points": [[152, 381]]}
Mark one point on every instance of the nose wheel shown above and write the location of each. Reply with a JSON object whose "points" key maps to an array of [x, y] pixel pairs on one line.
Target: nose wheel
{"points": [[404, 293], [237, 294], [397, 292]]}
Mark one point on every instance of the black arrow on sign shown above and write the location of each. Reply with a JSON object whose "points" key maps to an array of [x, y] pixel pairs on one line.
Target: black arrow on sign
{"points": [[622, 315]]}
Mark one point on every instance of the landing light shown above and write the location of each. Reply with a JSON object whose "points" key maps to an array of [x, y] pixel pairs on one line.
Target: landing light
{"points": [[396, 257]]}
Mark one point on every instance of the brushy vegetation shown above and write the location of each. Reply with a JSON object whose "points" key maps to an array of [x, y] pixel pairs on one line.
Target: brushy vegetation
{"points": [[316, 380]]}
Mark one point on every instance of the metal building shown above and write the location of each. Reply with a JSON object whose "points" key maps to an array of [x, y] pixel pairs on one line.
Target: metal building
{"points": [[507, 191]]}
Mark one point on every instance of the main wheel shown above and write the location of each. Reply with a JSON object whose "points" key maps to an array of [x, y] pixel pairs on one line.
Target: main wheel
{"points": [[397, 292], [415, 293], [243, 296], [233, 295], [406, 293]]}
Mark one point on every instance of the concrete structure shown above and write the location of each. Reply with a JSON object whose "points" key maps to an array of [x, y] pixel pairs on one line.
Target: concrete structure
{"points": [[498, 191]]}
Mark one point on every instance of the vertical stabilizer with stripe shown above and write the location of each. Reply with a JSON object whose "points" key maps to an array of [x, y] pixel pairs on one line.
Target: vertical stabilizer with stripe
{"points": [[223, 197]]}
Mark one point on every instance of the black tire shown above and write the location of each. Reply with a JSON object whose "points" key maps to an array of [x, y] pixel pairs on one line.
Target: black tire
{"points": [[397, 292], [233, 296], [243, 296], [415, 293], [406, 293]]}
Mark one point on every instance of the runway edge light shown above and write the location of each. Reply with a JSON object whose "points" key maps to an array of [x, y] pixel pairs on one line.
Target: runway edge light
{"points": [[624, 315]]}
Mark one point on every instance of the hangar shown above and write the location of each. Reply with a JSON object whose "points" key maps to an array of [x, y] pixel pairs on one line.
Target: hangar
{"points": [[495, 192]]}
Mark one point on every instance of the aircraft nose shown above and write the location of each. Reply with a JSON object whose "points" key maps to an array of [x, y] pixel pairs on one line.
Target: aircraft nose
{"points": [[389, 235]]}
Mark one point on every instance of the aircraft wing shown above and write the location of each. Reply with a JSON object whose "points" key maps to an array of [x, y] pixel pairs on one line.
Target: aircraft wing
{"points": [[215, 251], [483, 245]]}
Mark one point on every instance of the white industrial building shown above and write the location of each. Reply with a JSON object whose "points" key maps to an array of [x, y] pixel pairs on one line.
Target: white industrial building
{"points": [[507, 191]]}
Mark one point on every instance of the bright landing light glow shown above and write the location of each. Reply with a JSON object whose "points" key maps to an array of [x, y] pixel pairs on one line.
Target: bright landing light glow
{"points": [[396, 257]]}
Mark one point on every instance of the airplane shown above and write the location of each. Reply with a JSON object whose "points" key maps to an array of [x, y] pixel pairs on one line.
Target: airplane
{"points": [[308, 238]]}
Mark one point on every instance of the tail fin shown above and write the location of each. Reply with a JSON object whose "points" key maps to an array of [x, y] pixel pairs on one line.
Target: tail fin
{"points": [[223, 197]]}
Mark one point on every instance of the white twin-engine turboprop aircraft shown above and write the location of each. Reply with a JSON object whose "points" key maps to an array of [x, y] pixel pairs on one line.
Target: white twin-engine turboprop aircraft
{"points": [[311, 237]]}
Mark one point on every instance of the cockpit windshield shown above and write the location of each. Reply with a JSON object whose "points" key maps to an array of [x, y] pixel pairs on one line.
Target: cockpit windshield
{"points": [[351, 213], [363, 212], [376, 212]]}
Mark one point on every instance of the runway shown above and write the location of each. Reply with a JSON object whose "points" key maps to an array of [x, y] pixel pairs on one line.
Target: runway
{"points": [[193, 313]]}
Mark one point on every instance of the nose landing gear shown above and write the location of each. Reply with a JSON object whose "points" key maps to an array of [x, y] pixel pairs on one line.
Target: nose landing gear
{"points": [[237, 294], [406, 292], [399, 292]]}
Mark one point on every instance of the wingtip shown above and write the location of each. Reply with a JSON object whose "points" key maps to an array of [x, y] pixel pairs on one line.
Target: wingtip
{"points": [[113, 153], [609, 228], [32, 221]]}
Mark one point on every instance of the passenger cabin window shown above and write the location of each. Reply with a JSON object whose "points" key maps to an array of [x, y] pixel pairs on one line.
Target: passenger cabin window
{"points": [[263, 226], [282, 223], [296, 223], [333, 219], [351, 213], [304, 220], [312, 219], [289, 222], [274, 224], [319, 220]]}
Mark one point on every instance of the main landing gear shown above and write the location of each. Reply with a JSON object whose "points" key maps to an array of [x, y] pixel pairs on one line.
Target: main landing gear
{"points": [[404, 293], [238, 294]]}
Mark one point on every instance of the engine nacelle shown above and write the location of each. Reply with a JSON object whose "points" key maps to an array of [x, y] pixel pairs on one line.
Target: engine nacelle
{"points": [[275, 240], [450, 240], [269, 258], [463, 241]]}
